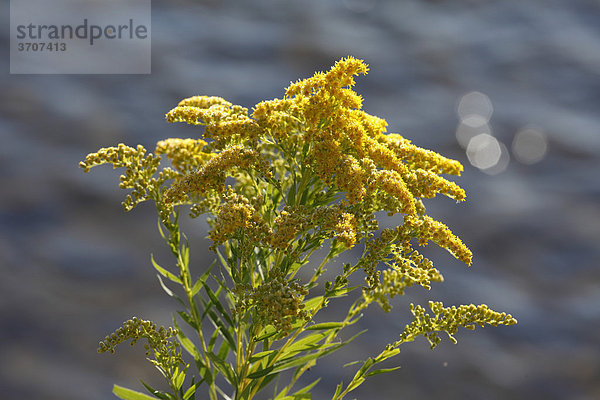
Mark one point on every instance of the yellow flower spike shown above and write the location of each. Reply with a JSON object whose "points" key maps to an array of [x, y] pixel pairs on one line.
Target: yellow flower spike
{"points": [[185, 154], [139, 171], [212, 174], [429, 229], [416, 157], [277, 185], [237, 215], [449, 319], [203, 101], [342, 73]]}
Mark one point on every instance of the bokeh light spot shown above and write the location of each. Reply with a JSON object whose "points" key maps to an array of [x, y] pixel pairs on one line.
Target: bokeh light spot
{"points": [[465, 132], [483, 151], [475, 108], [502, 163], [529, 145]]}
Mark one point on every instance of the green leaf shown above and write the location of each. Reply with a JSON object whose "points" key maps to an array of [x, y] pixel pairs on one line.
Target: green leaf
{"points": [[178, 380], [219, 306], [163, 271], [387, 353], [185, 250], [190, 392], [356, 382], [157, 393], [298, 396], [312, 303], [295, 361], [382, 371], [204, 372], [200, 282], [220, 326], [325, 325], [338, 390], [261, 355], [223, 368], [224, 350], [266, 333], [364, 368], [307, 342], [341, 292], [187, 344], [223, 261], [291, 197], [128, 394], [165, 288], [261, 372], [187, 319], [213, 340], [160, 229]]}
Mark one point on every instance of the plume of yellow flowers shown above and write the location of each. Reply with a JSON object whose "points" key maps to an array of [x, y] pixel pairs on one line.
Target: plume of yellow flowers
{"points": [[315, 146], [277, 183]]}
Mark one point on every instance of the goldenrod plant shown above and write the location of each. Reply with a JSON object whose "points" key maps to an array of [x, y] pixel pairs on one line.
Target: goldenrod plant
{"points": [[306, 172]]}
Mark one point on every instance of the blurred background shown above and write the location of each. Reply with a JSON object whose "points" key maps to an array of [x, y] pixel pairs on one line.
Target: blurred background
{"points": [[511, 89]]}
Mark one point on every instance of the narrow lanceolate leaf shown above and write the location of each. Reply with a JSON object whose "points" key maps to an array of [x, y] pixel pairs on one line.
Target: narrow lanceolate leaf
{"points": [[382, 371], [356, 382], [178, 380], [200, 282], [307, 342], [338, 390], [169, 291], [190, 392], [128, 394], [295, 361], [267, 332], [187, 344], [313, 303], [223, 368], [261, 372], [224, 350], [291, 197], [157, 393], [163, 271], [325, 325], [297, 396], [387, 353], [220, 326], [218, 305], [341, 292], [261, 355], [165, 288], [187, 318]]}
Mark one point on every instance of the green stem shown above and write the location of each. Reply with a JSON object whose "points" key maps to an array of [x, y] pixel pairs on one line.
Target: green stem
{"points": [[175, 244]]}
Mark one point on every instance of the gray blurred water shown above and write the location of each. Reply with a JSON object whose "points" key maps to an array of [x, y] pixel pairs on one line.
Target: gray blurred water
{"points": [[74, 265]]}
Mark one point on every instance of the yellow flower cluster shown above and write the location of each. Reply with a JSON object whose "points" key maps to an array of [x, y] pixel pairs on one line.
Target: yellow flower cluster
{"points": [[139, 173], [224, 122], [277, 301], [237, 215], [330, 221], [426, 228], [136, 329], [342, 224], [287, 225], [449, 319], [212, 174], [186, 155], [407, 268], [349, 148]]}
